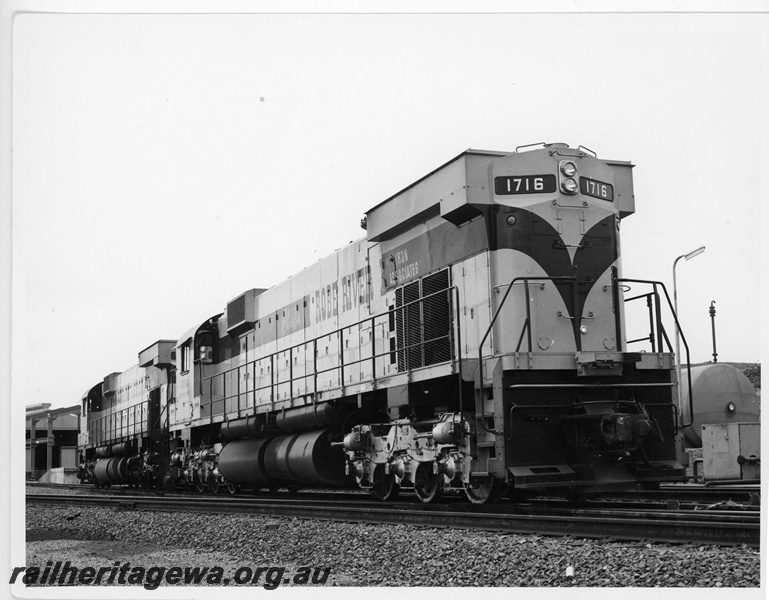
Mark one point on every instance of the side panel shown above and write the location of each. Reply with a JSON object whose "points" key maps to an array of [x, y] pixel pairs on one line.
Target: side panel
{"points": [[381, 303], [472, 279], [123, 413], [544, 303]]}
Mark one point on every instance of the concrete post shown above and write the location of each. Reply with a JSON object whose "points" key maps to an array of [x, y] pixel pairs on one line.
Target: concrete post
{"points": [[49, 449], [32, 446]]}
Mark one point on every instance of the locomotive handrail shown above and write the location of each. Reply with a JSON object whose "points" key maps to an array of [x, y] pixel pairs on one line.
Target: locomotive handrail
{"points": [[455, 290], [455, 354], [528, 311], [597, 384], [526, 328], [650, 337], [654, 284], [134, 419], [108, 434]]}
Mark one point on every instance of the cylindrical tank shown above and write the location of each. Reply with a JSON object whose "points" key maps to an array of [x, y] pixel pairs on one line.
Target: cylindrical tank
{"points": [[100, 470], [306, 458], [104, 452], [240, 428], [117, 469], [242, 462], [121, 449], [111, 470], [307, 417], [293, 419], [276, 458], [721, 394]]}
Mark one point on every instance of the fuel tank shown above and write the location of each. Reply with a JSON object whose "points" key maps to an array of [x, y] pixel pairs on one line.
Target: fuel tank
{"points": [[242, 462], [721, 394], [112, 470], [307, 458], [300, 458]]}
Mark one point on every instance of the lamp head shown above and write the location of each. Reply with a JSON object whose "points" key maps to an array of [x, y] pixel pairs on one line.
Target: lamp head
{"points": [[694, 253]]}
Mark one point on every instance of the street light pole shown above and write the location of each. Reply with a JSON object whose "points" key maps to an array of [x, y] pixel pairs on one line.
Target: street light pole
{"points": [[713, 324], [689, 256]]}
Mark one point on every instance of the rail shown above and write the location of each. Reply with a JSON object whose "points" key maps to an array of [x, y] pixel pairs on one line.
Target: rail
{"points": [[701, 527]]}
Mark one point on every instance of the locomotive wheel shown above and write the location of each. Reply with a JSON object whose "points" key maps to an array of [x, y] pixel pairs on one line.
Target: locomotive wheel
{"points": [[233, 488], [385, 486], [200, 486], [428, 486], [215, 487], [486, 490]]}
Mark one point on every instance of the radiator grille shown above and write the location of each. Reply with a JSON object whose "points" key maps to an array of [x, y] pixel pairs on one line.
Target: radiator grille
{"points": [[423, 322], [236, 311], [436, 318]]}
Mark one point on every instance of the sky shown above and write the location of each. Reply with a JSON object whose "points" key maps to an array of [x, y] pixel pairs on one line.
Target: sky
{"points": [[162, 164]]}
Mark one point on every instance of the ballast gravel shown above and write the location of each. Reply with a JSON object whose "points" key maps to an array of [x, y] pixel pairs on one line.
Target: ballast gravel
{"points": [[374, 555]]}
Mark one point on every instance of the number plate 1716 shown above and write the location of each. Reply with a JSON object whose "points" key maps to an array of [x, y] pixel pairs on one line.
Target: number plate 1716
{"points": [[524, 184], [596, 189]]}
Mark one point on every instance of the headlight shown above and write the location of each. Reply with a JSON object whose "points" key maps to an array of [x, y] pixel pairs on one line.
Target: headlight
{"points": [[568, 168], [569, 186]]}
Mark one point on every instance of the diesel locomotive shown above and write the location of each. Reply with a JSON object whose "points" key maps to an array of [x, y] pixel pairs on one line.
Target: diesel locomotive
{"points": [[474, 341]]}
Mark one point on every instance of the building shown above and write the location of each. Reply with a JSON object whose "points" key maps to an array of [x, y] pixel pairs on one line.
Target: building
{"points": [[51, 441]]}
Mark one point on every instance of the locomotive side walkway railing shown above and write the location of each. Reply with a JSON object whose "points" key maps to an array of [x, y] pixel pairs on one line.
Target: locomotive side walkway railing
{"points": [[399, 354], [119, 425]]}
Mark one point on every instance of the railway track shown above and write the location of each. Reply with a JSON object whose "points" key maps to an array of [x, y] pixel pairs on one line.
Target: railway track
{"points": [[743, 494], [546, 517], [687, 495]]}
